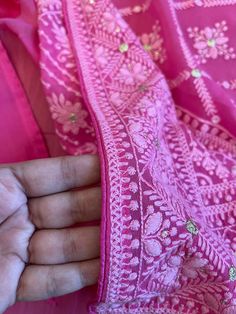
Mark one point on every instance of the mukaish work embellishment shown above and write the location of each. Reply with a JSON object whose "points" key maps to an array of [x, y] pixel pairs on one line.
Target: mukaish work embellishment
{"points": [[232, 273], [147, 47], [192, 227], [124, 47], [196, 73], [137, 9], [142, 88], [73, 117], [164, 234], [215, 119]]}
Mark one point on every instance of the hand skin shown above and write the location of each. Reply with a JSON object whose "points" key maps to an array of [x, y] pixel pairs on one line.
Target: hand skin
{"points": [[41, 255]]}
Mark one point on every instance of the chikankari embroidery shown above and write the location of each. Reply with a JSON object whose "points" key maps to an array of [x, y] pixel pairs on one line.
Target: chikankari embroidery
{"points": [[212, 42]]}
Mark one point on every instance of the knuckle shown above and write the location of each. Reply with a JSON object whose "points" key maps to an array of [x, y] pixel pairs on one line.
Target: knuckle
{"points": [[67, 168], [22, 287], [70, 246], [52, 285], [81, 206], [8, 184], [83, 202], [98, 194], [35, 215], [5, 171], [89, 273], [12, 196], [31, 250]]}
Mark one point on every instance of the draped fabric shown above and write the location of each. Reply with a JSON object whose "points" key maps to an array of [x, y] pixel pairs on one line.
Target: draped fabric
{"points": [[149, 86], [9, 8]]}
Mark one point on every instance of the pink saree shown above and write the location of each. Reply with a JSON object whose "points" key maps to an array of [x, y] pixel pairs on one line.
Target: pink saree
{"points": [[151, 87]]}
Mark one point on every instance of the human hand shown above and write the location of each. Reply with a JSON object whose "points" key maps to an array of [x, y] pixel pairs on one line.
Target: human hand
{"points": [[40, 255]]}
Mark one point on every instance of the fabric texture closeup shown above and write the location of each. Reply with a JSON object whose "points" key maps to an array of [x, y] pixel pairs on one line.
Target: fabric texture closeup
{"points": [[151, 88]]}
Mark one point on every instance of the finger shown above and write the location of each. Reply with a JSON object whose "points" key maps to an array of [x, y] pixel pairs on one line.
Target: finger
{"points": [[43, 282], [63, 246], [47, 176], [65, 209]]}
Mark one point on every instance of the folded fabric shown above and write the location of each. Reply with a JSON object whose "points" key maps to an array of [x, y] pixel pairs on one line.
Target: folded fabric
{"points": [[10, 8]]}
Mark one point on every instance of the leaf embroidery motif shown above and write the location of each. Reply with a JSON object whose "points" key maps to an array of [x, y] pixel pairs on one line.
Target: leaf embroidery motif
{"points": [[153, 223], [153, 247]]}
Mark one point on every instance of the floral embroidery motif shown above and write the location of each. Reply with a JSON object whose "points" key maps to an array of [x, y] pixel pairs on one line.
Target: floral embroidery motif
{"points": [[89, 6], [193, 267], [136, 131], [229, 84], [101, 55], [212, 42], [152, 226], [73, 123], [111, 23], [131, 74], [136, 9], [153, 44], [70, 115]]}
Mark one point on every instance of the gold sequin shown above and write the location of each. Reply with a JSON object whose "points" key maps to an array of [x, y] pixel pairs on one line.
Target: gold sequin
{"points": [[137, 9], [196, 73], [192, 227], [147, 47], [215, 119], [211, 43], [232, 273], [164, 234], [142, 88], [123, 47], [73, 117]]}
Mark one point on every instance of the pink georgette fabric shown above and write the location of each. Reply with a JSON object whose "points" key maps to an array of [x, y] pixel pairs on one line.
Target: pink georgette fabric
{"points": [[150, 86]]}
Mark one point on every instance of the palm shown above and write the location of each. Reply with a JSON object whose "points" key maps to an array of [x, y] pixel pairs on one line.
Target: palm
{"points": [[41, 256], [15, 233]]}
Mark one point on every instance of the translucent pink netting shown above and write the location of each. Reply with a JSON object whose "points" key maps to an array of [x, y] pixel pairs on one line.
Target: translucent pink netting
{"points": [[151, 87]]}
